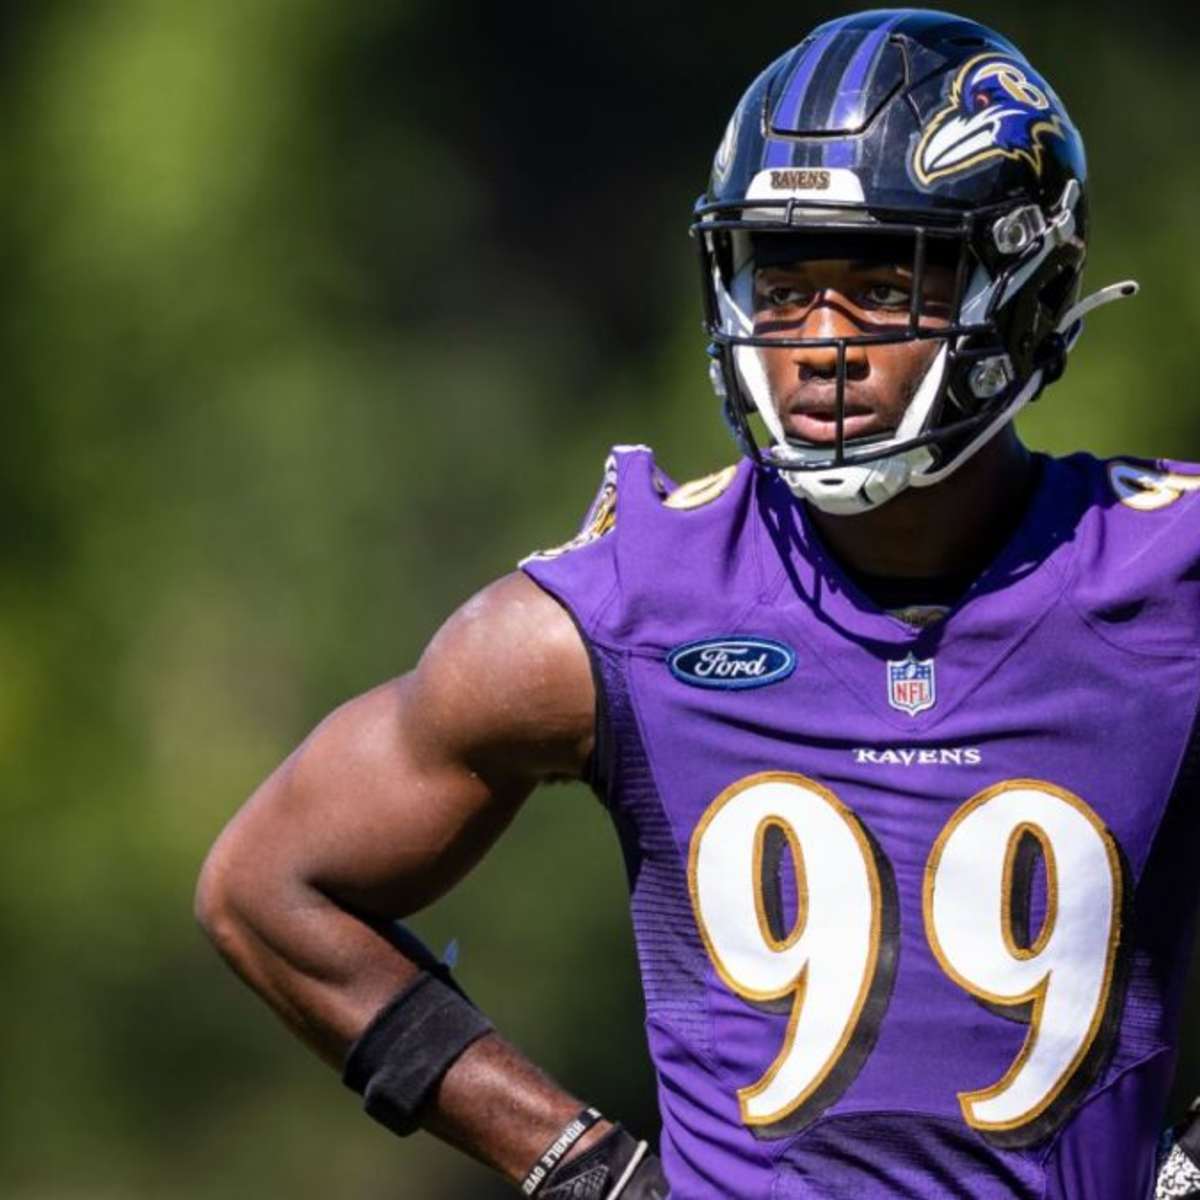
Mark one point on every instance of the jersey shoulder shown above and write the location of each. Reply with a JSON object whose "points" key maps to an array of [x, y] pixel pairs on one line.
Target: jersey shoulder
{"points": [[651, 556], [1138, 558], [1152, 485]]}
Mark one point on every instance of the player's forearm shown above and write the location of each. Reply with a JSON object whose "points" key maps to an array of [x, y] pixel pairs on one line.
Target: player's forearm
{"points": [[322, 969], [496, 1106], [327, 973]]}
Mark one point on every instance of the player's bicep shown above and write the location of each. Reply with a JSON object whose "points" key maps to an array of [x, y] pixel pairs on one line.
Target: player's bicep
{"points": [[397, 794], [380, 816], [505, 689]]}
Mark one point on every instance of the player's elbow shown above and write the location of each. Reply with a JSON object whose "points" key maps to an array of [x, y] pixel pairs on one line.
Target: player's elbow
{"points": [[215, 906], [224, 904], [247, 874]]}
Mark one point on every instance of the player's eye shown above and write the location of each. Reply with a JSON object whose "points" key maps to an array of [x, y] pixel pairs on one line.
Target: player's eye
{"points": [[884, 295], [783, 295]]}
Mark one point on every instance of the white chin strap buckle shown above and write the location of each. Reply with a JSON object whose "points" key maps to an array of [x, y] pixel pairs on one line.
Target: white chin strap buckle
{"points": [[846, 491]]}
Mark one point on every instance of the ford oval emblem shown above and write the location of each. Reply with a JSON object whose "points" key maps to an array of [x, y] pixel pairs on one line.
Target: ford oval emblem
{"points": [[734, 662]]}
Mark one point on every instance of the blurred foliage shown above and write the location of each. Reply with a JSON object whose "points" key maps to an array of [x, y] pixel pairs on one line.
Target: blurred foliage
{"points": [[319, 317]]}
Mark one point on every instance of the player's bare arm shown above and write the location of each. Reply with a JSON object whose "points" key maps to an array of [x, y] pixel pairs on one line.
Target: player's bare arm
{"points": [[381, 810]]}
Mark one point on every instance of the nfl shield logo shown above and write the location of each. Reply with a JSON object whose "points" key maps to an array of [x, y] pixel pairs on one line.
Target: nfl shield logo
{"points": [[910, 684]]}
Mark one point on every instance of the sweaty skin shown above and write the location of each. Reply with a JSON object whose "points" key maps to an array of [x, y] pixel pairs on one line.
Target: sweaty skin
{"points": [[396, 795]]}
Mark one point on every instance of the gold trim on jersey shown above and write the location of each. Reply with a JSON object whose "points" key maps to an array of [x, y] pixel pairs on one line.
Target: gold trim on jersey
{"points": [[601, 518], [761, 872], [1010, 881], [1147, 488], [700, 492]]}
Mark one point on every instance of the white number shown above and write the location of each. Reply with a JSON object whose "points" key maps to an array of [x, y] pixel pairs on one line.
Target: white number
{"points": [[1065, 976], [832, 963], [827, 962]]}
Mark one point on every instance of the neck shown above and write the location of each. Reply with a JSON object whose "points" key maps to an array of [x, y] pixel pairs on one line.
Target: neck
{"points": [[957, 526]]}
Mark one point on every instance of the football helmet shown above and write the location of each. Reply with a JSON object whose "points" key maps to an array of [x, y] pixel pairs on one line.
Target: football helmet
{"points": [[920, 139]]}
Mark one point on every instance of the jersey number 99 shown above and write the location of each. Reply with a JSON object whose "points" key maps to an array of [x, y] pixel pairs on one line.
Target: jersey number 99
{"points": [[830, 961]]}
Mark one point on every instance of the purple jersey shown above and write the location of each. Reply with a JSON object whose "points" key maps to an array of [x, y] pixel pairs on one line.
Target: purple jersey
{"points": [[912, 903]]}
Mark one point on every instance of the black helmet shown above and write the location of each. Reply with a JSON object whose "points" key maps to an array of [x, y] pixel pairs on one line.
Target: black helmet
{"points": [[908, 136]]}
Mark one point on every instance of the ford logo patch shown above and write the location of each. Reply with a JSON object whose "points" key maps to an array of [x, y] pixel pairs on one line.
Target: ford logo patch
{"points": [[736, 662]]}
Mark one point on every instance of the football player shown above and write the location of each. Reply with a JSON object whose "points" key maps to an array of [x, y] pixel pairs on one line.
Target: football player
{"points": [[908, 831]]}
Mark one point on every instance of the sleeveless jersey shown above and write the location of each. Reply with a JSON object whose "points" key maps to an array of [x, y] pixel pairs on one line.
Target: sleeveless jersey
{"points": [[912, 904]]}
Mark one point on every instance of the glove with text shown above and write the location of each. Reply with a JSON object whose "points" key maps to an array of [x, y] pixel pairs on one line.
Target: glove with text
{"points": [[617, 1167]]}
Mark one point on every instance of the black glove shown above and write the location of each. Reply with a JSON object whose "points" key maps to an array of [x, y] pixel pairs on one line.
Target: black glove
{"points": [[604, 1172]]}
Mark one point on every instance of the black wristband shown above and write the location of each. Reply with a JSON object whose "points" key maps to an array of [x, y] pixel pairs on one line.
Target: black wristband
{"points": [[411, 1043], [556, 1151]]}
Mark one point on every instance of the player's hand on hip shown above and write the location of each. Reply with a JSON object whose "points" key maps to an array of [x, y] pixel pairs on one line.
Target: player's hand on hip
{"points": [[617, 1167]]}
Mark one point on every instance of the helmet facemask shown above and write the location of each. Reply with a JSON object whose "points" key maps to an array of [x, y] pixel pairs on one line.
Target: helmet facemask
{"points": [[927, 131], [975, 382]]}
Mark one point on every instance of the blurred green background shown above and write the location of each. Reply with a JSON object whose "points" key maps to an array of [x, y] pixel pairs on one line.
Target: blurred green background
{"points": [[320, 316]]}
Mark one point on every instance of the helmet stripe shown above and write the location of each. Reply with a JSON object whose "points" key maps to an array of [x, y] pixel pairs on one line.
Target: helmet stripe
{"points": [[850, 103], [787, 111]]}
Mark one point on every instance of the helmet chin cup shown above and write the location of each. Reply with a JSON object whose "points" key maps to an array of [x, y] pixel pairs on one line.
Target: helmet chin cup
{"points": [[849, 491]]}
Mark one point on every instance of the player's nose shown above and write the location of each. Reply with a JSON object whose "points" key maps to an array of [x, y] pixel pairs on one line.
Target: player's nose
{"points": [[828, 319]]}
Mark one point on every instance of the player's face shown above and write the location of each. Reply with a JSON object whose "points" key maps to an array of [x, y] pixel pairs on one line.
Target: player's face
{"points": [[835, 298]]}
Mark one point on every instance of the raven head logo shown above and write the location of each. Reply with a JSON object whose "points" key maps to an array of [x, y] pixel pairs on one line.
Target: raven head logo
{"points": [[996, 109]]}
